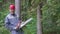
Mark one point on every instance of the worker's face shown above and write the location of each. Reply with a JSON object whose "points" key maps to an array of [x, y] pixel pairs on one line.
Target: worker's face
{"points": [[12, 11]]}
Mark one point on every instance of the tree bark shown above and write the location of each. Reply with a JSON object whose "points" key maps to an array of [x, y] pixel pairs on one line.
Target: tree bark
{"points": [[18, 8], [39, 17]]}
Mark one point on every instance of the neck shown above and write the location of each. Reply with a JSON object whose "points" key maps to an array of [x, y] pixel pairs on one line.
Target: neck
{"points": [[13, 14]]}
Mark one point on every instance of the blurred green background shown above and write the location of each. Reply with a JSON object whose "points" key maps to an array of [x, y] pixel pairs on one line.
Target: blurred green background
{"points": [[50, 15]]}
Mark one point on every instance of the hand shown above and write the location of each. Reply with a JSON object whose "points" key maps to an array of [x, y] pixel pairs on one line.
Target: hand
{"points": [[16, 28], [18, 25]]}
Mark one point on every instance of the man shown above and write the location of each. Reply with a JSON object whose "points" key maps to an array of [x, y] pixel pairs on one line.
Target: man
{"points": [[12, 22]]}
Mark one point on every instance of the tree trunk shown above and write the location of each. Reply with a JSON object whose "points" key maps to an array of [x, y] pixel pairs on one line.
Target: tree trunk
{"points": [[18, 7], [39, 15]]}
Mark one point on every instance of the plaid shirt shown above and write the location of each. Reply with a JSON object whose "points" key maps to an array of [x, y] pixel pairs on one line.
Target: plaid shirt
{"points": [[11, 21]]}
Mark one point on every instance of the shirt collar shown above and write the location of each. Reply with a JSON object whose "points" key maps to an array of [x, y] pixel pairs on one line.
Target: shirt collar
{"points": [[12, 14]]}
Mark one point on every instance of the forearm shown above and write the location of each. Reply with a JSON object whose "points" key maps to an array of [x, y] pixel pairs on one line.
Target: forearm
{"points": [[18, 25]]}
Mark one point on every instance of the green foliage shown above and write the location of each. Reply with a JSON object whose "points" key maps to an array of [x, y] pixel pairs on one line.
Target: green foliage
{"points": [[51, 16], [50, 11], [3, 30], [1, 0], [30, 28]]}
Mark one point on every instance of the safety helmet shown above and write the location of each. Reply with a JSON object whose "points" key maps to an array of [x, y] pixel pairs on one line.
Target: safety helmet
{"points": [[12, 7]]}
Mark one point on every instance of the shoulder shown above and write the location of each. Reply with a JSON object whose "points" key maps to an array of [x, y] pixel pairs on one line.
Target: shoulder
{"points": [[7, 16], [16, 15]]}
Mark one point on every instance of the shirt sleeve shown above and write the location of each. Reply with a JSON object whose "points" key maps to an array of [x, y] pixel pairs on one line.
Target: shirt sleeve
{"points": [[7, 24]]}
